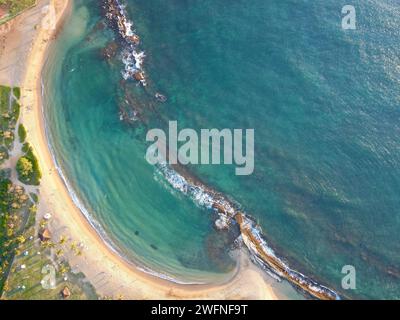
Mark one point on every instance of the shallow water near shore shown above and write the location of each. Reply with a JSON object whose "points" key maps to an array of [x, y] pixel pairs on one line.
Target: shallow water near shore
{"points": [[324, 106], [144, 218]]}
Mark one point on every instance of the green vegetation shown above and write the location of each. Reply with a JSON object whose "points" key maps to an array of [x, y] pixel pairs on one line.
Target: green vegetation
{"points": [[15, 204], [15, 209], [24, 259], [9, 113], [28, 168], [17, 93], [4, 96], [24, 283], [25, 262], [24, 167], [25, 147], [15, 109], [16, 6], [3, 154], [34, 197], [21, 133]]}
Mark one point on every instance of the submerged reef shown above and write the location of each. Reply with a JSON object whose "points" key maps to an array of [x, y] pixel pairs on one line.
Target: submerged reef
{"points": [[230, 214]]}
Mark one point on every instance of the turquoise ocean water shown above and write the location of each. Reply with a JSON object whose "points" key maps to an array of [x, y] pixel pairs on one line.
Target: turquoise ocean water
{"points": [[324, 104]]}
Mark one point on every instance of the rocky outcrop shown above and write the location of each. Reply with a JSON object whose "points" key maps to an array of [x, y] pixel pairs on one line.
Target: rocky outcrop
{"points": [[139, 76], [110, 51], [229, 214], [254, 241], [131, 56]]}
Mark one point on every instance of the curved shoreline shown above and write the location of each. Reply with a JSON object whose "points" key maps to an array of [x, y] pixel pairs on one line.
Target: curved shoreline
{"points": [[96, 226], [98, 259], [228, 211]]}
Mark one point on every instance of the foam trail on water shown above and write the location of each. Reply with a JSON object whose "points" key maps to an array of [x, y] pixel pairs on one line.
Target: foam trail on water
{"points": [[251, 233]]}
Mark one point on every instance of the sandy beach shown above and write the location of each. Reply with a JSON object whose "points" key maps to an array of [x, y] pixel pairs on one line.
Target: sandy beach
{"points": [[110, 274]]}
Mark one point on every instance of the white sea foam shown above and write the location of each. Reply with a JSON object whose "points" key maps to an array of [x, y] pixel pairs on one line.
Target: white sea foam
{"points": [[293, 274], [166, 277], [132, 58], [207, 198], [133, 62]]}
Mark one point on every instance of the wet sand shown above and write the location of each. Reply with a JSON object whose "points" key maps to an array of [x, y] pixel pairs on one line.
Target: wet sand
{"points": [[111, 275]]}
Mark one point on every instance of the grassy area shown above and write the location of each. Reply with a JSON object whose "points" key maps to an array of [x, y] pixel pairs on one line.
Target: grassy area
{"points": [[15, 210], [17, 92], [15, 205], [16, 6], [28, 168], [4, 97], [25, 260], [9, 113], [21, 133], [31, 266], [4, 155]]}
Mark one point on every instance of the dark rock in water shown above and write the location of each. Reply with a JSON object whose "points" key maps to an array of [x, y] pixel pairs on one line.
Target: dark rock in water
{"points": [[392, 271], [153, 247], [160, 97], [118, 21], [222, 223], [134, 39], [116, 16], [110, 50], [218, 246], [129, 115], [99, 26], [139, 76], [136, 233]]}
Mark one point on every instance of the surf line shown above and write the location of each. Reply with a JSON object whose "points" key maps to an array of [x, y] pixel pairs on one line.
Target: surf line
{"points": [[232, 140], [229, 213]]}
